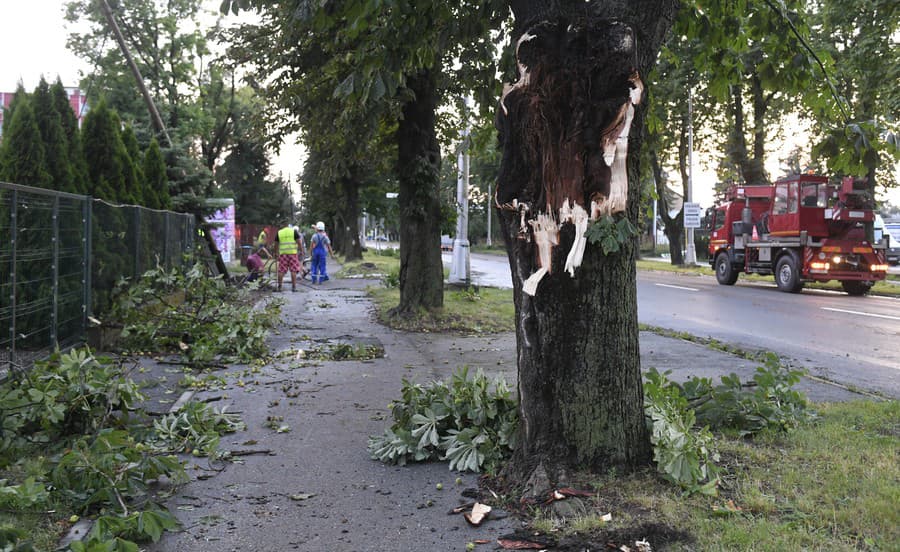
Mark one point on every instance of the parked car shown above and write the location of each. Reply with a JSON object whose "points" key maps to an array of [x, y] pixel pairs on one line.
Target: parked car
{"points": [[893, 253], [446, 243]]}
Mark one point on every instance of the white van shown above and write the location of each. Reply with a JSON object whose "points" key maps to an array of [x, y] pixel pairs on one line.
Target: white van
{"points": [[892, 229]]}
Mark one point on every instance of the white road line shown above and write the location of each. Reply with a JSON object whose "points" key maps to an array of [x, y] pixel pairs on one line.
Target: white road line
{"points": [[863, 313], [677, 287]]}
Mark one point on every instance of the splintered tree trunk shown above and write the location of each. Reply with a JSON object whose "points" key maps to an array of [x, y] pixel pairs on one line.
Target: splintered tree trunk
{"points": [[570, 129], [419, 158]]}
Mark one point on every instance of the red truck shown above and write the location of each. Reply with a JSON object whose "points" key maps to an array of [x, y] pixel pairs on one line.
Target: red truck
{"points": [[800, 229]]}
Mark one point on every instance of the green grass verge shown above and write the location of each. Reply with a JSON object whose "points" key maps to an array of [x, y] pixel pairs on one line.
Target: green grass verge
{"points": [[831, 485], [372, 263], [659, 266], [489, 310], [496, 249]]}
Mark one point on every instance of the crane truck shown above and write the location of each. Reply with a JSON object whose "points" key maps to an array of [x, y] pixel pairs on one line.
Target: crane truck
{"points": [[799, 229]]}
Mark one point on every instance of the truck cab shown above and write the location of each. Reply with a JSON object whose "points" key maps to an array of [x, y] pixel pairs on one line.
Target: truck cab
{"points": [[801, 228]]}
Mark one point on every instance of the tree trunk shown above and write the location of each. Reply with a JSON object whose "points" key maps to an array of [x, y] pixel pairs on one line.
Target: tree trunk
{"points": [[676, 237], [760, 109], [337, 234], [568, 157], [674, 226], [352, 249], [418, 170], [752, 172]]}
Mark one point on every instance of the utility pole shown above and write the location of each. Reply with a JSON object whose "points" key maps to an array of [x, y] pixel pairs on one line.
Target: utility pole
{"points": [[151, 107]]}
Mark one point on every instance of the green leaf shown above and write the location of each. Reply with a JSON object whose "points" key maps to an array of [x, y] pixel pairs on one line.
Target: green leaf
{"points": [[378, 87], [345, 88]]}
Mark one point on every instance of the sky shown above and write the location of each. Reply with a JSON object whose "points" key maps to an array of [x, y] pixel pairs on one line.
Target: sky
{"points": [[33, 42]]}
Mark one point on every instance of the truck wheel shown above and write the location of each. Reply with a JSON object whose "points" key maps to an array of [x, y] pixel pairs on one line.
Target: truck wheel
{"points": [[725, 273], [856, 287], [787, 274]]}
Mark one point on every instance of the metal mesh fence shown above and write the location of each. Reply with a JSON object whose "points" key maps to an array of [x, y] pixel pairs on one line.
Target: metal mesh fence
{"points": [[44, 266], [128, 240], [60, 258]]}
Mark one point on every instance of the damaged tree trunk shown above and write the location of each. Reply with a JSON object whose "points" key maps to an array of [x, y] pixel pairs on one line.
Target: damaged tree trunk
{"points": [[570, 134], [418, 167]]}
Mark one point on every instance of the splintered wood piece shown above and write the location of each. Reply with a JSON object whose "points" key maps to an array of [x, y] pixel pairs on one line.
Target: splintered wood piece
{"points": [[478, 513]]}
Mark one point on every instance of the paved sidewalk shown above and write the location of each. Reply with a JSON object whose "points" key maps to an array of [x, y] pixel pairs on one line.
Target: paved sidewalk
{"points": [[318, 490]]}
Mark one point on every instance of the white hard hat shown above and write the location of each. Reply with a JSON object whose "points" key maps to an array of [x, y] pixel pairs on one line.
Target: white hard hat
{"points": [[320, 225]]}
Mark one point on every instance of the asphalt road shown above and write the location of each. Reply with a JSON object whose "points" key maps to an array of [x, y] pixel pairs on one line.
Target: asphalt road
{"points": [[854, 341]]}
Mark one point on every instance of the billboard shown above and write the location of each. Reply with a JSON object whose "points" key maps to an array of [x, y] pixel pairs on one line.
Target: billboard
{"points": [[222, 222]]}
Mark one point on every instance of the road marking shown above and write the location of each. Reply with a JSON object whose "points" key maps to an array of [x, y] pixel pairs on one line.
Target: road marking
{"points": [[863, 313], [678, 287]]}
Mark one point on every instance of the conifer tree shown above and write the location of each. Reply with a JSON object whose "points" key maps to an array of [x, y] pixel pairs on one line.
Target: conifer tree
{"points": [[156, 189], [134, 173], [103, 150], [8, 112], [22, 159], [56, 147], [69, 121]]}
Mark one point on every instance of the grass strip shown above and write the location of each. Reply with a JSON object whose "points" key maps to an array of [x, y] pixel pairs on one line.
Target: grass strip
{"points": [[829, 485], [485, 310]]}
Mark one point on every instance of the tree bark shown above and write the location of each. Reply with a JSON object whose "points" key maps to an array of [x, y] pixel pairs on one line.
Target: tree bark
{"points": [[418, 170], [352, 249], [760, 109], [579, 379], [752, 170], [674, 226]]}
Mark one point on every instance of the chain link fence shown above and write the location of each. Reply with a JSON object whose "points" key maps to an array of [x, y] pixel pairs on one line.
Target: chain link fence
{"points": [[60, 258]]}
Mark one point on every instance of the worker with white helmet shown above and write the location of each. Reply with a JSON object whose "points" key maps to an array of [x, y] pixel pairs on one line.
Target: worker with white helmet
{"points": [[320, 246]]}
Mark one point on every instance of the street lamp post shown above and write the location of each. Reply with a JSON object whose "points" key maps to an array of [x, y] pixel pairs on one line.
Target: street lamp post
{"points": [[489, 242], [459, 268], [691, 254]]}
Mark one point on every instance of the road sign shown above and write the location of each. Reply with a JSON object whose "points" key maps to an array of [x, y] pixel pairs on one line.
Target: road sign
{"points": [[692, 215]]}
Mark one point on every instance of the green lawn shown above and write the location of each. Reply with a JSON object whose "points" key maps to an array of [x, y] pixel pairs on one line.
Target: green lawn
{"points": [[487, 310], [830, 485], [476, 310]]}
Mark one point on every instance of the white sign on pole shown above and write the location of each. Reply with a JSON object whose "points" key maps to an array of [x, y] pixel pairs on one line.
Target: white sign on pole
{"points": [[692, 215]]}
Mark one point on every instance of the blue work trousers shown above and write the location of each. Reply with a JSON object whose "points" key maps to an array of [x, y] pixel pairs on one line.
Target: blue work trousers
{"points": [[319, 274]]}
